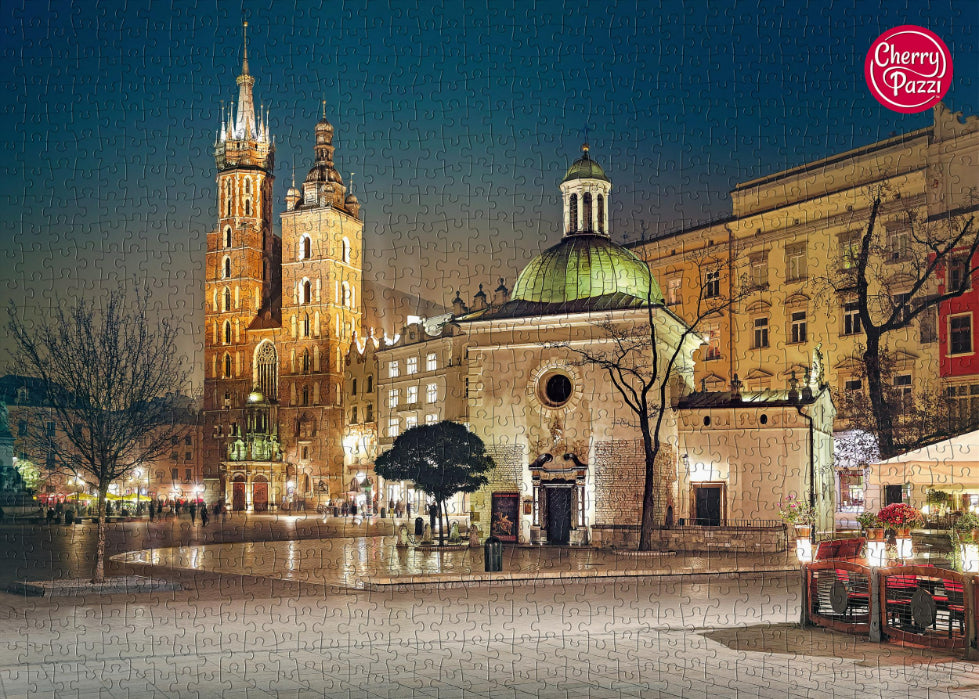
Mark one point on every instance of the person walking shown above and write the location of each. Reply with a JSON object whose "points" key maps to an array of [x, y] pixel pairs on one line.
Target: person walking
{"points": [[204, 515], [193, 512], [152, 510]]}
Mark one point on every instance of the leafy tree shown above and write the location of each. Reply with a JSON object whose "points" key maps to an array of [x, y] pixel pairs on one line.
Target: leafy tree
{"points": [[30, 473], [442, 459], [108, 374], [888, 302]]}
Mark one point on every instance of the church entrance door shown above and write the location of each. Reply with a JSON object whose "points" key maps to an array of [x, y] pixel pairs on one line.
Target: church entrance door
{"points": [[238, 496], [558, 515], [260, 497]]}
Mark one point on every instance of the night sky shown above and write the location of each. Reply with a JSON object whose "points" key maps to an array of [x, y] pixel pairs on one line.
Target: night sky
{"points": [[459, 123]]}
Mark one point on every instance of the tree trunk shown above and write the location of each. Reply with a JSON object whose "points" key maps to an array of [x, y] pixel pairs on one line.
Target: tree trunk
{"points": [[878, 402], [648, 523], [441, 513], [100, 535]]}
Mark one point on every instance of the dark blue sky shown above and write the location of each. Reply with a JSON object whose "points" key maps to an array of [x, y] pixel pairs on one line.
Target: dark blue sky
{"points": [[459, 122]]}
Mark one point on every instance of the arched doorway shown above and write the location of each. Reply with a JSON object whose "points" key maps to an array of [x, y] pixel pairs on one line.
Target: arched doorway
{"points": [[558, 496], [238, 493], [260, 494]]}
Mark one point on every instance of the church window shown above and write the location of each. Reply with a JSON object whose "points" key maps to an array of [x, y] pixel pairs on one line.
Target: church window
{"points": [[345, 295], [227, 365], [601, 213], [227, 267], [227, 208], [573, 213], [227, 237], [370, 383], [227, 332], [305, 248], [266, 370], [305, 395], [345, 250], [248, 207], [306, 325], [248, 186], [227, 300], [353, 388], [586, 212], [306, 361], [555, 389], [307, 291]]}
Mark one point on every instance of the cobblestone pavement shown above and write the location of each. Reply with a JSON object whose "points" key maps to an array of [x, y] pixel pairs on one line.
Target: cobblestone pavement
{"points": [[624, 637]]}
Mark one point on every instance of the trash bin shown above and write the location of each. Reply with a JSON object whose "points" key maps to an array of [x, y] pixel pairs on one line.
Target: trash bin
{"points": [[384, 513], [493, 555], [419, 526]]}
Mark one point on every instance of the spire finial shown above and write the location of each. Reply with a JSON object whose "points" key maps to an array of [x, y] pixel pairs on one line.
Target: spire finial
{"points": [[244, 62], [324, 109], [293, 174]]}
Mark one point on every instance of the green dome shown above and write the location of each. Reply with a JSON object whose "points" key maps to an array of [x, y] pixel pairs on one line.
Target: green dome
{"points": [[585, 267], [584, 167]]}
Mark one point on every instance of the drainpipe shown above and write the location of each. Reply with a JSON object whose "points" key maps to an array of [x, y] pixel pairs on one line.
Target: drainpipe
{"points": [[812, 469]]}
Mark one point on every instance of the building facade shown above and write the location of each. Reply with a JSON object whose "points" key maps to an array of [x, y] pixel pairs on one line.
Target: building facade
{"points": [[280, 316]]}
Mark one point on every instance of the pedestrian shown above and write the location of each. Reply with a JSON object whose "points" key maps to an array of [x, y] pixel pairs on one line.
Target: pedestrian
{"points": [[152, 510], [409, 510], [193, 512], [203, 515]]}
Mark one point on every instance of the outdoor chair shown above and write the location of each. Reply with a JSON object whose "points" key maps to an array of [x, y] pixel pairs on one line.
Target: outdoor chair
{"points": [[856, 598]]}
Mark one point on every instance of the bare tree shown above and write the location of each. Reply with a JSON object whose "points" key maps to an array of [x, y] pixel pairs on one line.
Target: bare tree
{"points": [[887, 302], [108, 374], [641, 365]]}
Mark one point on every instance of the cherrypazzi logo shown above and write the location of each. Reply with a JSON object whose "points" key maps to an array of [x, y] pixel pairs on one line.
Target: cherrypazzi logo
{"points": [[908, 69]]}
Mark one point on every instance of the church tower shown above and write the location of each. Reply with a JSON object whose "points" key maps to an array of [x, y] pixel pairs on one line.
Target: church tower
{"points": [[321, 300], [242, 265]]}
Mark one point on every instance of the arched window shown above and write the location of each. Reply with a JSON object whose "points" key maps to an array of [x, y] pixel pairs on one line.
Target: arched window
{"points": [[227, 267], [228, 208], [586, 211], [227, 237], [370, 383], [573, 213], [353, 390], [305, 248], [227, 197], [227, 332], [601, 213], [306, 294], [345, 250], [344, 295], [266, 370], [227, 300], [248, 207], [248, 185], [306, 361], [305, 395], [227, 365], [306, 325]]}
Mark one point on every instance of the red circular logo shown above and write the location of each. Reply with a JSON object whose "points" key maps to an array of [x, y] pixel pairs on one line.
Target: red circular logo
{"points": [[908, 69]]}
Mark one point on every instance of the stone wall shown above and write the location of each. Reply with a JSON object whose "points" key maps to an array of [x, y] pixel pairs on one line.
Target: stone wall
{"points": [[620, 477]]}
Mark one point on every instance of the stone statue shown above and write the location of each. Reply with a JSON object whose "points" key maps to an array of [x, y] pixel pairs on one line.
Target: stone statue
{"points": [[816, 380], [403, 536], [454, 532], [473, 535], [427, 537]]}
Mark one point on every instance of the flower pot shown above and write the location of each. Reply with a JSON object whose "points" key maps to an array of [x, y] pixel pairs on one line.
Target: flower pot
{"points": [[803, 531], [974, 535], [903, 532], [875, 534]]}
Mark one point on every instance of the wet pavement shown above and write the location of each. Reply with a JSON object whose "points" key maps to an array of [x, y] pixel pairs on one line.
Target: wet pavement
{"points": [[375, 562]]}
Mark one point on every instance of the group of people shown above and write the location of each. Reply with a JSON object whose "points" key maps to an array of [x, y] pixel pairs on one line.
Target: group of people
{"points": [[171, 509]]}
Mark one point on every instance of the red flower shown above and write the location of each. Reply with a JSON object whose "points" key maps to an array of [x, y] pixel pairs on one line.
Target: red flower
{"points": [[899, 515]]}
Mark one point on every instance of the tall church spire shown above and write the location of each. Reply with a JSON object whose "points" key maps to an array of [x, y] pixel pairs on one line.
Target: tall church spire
{"points": [[245, 123]]}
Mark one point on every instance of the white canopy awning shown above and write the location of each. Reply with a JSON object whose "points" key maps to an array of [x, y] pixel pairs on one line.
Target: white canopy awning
{"points": [[951, 464]]}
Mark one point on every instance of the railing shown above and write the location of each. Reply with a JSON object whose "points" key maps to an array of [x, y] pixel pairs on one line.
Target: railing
{"points": [[918, 604], [732, 524]]}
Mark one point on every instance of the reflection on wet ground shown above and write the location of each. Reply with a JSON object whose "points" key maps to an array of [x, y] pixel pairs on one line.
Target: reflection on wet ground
{"points": [[377, 561]]}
